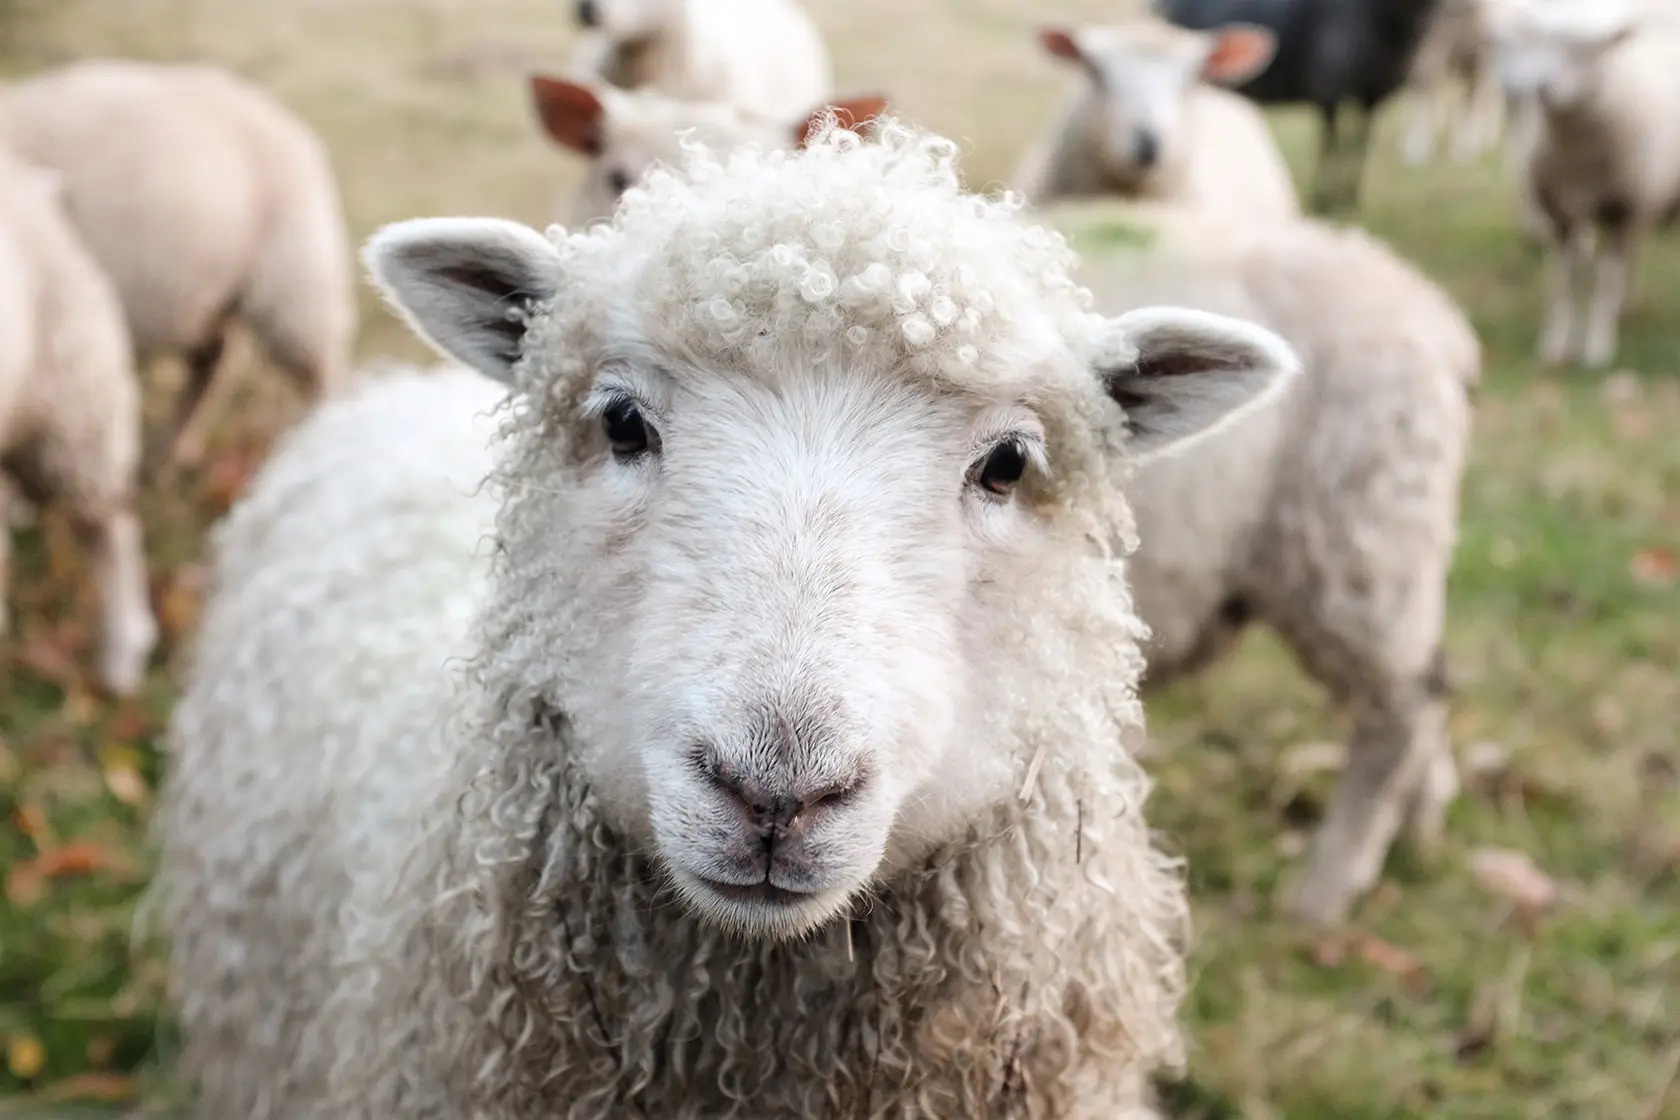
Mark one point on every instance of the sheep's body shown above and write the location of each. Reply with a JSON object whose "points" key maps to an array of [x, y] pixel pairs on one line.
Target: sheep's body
{"points": [[1331, 517], [400, 887], [1603, 161], [765, 57], [1228, 161], [208, 205], [1330, 53], [70, 407]]}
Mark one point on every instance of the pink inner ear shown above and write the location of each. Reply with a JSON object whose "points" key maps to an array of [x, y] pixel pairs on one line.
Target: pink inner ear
{"points": [[1239, 53], [1060, 43], [571, 114], [850, 112]]}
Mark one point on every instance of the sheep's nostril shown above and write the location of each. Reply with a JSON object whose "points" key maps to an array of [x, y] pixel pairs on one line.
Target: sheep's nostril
{"points": [[587, 14], [1147, 148]]}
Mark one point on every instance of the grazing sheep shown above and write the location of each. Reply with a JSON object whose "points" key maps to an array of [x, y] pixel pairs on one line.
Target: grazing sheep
{"points": [[624, 134], [1331, 516], [764, 57], [782, 775], [1454, 62], [1144, 124], [70, 408], [1329, 52], [208, 205], [1605, 156]]}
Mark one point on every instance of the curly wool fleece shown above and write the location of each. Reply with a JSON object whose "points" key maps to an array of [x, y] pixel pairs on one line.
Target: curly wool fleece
{"points": [[503, 943]]}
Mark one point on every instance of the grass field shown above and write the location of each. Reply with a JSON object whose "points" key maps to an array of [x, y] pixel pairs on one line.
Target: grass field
{"points": [[1443, 998]]}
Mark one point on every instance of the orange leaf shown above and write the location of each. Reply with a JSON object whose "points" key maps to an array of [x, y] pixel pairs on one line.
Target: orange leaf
{"points": [[79, 857], [1513, 875], [1656, 566], [1393, 960]]}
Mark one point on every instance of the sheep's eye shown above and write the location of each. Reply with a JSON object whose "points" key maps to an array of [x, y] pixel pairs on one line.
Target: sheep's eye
{"points": [[627, 432], [617, 181], [1002, 468]]}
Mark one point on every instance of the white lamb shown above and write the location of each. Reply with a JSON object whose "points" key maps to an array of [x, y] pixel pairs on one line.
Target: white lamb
{"points": [[625, 133], [70, 408], [1454, 80], [782, 775], [208, 205], [1330, 515], [1605, 159], [1146, 125], [764, 57]]}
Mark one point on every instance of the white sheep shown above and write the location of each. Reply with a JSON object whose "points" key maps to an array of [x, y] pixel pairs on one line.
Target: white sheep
{"points": [[1145, 124], [1604, 158], [1331, 515], [1454, 81], [208, 205], [764, 57], [623, 134], [70, 408], [782, 775]]}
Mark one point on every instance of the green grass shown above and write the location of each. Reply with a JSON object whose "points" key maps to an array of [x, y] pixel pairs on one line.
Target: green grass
{"points": [[1564, 622]]}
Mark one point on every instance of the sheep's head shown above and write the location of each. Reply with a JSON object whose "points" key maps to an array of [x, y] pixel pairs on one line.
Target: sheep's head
{"points": [[802, 444], [1140, 75], [1552, 50], [623, 134]]}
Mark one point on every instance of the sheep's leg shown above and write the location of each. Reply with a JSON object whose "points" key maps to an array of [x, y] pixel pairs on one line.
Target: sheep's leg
{"points": [[1395, 747], [128, 632], [1479, 126], [1423, 125], [184, 439], [1571, 258], [1615, 265], [1329, 149]]}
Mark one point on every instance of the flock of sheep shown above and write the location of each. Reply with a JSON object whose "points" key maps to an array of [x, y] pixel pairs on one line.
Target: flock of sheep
{"points": [[715, 692]]}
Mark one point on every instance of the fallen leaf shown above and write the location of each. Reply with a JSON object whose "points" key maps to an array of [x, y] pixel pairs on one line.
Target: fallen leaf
{"points": [[1513, 875], [79, 857], [1654, 566], [109, 1087], [1393, 960], [49, 659], [25, 885], [1330, 952], [120, 764], [32, 822], [25, 1056]]}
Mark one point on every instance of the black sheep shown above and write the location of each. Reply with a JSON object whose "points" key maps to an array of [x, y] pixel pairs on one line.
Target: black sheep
{"points": [[1329, 52]]}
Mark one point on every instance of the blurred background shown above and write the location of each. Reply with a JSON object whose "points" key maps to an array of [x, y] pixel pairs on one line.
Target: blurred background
{"points": [[1549, 990]]}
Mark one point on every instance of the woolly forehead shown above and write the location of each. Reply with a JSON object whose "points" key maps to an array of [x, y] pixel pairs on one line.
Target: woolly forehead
{"points": [[866, 255]]}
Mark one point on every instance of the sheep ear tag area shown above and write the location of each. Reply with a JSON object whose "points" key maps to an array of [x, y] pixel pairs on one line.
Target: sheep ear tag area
{"points": [[1181, 374], [1239, 54], [462, 283], [571, 114]]}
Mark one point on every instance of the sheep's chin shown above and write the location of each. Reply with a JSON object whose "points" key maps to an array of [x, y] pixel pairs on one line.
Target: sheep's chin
{"points": [[789, 917]]}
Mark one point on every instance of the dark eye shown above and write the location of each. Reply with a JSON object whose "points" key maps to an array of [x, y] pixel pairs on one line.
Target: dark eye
{"points": [[1001, 470], [627, 432], [617, 181]]}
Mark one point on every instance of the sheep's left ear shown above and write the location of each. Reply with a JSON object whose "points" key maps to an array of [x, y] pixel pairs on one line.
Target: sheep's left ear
{"points": [[466, 285], [1238, 53], [850, 113], [1181, 374]]}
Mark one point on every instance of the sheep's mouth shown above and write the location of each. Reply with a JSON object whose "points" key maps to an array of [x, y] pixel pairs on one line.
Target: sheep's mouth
{"points": [[763, 893]]}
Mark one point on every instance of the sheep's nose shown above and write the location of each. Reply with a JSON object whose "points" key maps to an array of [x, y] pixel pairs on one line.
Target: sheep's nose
{"points": [[780, 812], [587, 14], [1146, 148]]}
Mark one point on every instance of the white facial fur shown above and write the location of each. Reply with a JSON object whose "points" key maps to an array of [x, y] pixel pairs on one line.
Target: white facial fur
{"points": [[1551, 50], [782, 615], [1142, 74]]}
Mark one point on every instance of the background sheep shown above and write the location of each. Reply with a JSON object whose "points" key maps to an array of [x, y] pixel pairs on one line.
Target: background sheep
{"points": [[70, 408], [1605, 160], [765, 57], [1145, 126], [1453, 75], [1329, 52], [1331, 515], [624, 134], [626, 875], [207, 204]]}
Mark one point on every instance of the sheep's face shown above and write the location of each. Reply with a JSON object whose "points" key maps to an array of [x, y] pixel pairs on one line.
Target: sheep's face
{"points": [[1552, 51], [776, 554], [1141, 75], [626, 20]]}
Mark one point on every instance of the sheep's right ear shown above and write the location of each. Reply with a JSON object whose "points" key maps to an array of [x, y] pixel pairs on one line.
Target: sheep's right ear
{"points": [[850, 113], [570, 113], [466, 285], [1181, 374], [1238, 53], [1061, 42]]}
